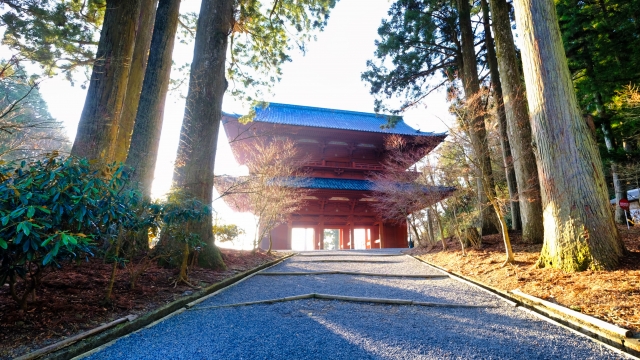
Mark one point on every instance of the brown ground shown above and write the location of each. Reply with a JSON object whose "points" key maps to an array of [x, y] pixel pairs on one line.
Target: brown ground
{"points": [[70, 301], [613, 296]]}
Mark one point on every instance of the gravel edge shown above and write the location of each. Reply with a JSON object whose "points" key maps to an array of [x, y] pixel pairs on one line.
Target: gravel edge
{"points": [[630, 346], [90, 343]]}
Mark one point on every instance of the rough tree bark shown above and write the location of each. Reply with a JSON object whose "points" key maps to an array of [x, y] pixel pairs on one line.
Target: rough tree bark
{"points": [[136, 77], [516, 223], [145, 139], [98, 126], [518, 125], [199, 133], [579, 231], [476, 126]]}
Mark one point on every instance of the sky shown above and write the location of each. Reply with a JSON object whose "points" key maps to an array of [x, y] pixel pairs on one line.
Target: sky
{"points": [[327, 75]]}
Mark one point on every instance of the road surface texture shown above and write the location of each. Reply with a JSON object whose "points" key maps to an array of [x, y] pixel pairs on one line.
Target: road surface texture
{"points": [[335, 329]]}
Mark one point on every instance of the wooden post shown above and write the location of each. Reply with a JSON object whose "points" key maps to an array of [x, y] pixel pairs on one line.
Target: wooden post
{"points": [[367, 239], [289, 233], [353, 237], [321, 233], [381, 232]]}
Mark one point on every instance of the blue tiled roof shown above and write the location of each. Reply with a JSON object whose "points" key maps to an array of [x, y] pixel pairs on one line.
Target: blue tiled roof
{"points": [[336, 184], [350, 184], [333, 119]]}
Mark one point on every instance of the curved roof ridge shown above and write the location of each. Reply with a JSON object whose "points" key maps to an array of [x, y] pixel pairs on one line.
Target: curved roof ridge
{"points": [[334, 110], [309, 116]]}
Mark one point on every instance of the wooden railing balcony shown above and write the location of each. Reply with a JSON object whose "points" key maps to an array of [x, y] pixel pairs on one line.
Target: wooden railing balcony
{"points": [[344, 165]]}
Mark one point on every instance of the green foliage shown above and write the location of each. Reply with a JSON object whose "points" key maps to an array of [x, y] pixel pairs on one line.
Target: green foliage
{"points": [[264, 35], [55, 209], [226, 232], [602, 43], [27, 130], [418, 52], [57, 34], [174, 219]]}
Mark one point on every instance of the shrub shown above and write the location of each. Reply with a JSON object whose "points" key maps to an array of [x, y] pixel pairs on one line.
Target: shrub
{"points": [[177, 241], [53, 210]]}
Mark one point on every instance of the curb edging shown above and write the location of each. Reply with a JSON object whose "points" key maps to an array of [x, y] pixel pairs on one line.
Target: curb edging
{"points": [[87, 344], [630, 346]]}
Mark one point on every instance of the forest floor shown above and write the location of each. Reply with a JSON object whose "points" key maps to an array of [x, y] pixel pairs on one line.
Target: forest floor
{"points": [[70, 300], [612, 296]]}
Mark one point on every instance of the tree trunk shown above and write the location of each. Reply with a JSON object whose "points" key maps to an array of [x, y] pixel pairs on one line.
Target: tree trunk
{"points": [[476, 125], [182, 274], [457, 231], [516, 223], [145, 139], [430, 227], [579, 231], [417, 242], [98, 126], [619, 187], [114, 269], [136, 76], [437, 216], [207, 84], [518, 126]]}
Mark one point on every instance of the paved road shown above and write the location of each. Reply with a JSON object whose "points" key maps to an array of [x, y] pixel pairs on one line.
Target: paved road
{"points": [[333, 329]]}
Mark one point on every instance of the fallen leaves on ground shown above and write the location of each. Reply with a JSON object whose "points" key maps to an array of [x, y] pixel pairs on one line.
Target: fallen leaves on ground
{"points": [[612, 296], [70, 299]]}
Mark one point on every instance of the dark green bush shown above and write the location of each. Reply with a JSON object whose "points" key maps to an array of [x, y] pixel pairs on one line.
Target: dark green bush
{"points": [[53, 210], [177, 214]]}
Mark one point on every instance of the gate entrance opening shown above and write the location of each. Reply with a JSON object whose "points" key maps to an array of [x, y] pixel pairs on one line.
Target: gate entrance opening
{"points": [[331, 239], [302, 239]]}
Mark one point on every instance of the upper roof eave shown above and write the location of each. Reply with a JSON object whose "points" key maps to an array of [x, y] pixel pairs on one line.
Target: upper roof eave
{"points": [[403, 129]]}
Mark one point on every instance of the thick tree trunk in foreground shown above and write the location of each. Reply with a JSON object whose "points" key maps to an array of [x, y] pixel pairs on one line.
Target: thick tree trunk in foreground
{"points": [[98, 126], [476, 125], [516, 223], [136, 76], [579, 231], [199, 133], [145, 139], [518, 125]]}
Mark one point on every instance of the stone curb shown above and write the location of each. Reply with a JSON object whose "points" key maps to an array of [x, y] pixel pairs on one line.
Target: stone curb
{"points": [[354, 273], [630, 345], [92, 342], [341, 298]]}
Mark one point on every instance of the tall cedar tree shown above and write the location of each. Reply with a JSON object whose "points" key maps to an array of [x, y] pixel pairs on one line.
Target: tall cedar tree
{"points": [[476, 125], [199, 133], [263, 42], [98, 126], [421, 40], [496, 87], [579, 231], [136, 76], [518, 126], [145, 139], [602, 43]]}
